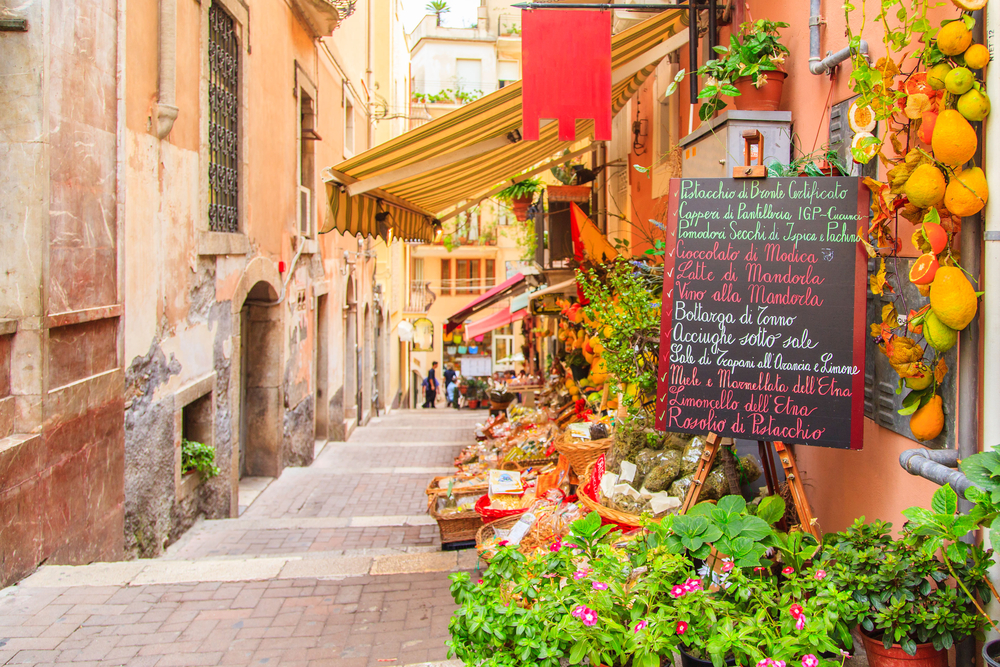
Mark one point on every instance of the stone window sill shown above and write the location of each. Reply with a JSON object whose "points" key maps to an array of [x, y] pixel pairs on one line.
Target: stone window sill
{"points": [[222, 243]]}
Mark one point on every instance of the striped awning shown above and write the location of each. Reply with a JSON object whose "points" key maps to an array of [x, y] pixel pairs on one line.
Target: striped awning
{"points": [[491, 117], [356, 216]]}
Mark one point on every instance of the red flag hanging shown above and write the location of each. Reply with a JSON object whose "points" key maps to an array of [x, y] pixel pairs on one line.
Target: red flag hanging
{"points": [[566, 71]]}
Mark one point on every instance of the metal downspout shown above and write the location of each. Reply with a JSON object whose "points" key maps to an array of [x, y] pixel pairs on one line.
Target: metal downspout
{"points": [[818, 65], [166, 99], [937, 465]]}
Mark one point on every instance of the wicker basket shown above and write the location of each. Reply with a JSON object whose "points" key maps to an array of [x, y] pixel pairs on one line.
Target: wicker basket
{"points": [[494, 405], [434, 491], [612, 515], [458, 527], [581, 453], [486, 532]]}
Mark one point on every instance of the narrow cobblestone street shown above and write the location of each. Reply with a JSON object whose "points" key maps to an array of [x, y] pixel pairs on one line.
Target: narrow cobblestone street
{"points": [[335, 564]]}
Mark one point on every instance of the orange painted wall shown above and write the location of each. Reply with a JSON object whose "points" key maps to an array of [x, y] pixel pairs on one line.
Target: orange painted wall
{"points": [[841, 485]]}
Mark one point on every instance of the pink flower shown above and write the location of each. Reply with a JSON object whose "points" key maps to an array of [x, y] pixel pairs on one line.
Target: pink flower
{"points": [[579, 610], [800, 622], [795, 610], [572, 546], [692, 585], [845, 653], [580, 574], [681, 627], [600, 586], [503, 543], [765, 662], [810, 660], [678, 591], [639, 626], [550, 575], [589, 617], [779, 663], [556, 546], [727, 566], [759, 569], [820, 574], [480, 582], [788, 570]]}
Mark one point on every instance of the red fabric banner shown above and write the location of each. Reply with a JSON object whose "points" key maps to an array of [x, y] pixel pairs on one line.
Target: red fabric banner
{"points": [[566, 55]]}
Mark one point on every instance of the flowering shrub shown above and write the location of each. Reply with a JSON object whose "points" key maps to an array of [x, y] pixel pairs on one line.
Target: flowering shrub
{"points": [[633, 602]]}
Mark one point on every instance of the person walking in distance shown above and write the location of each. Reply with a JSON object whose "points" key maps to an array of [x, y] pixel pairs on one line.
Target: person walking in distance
{"points": [[449, 384], [431, 386]]}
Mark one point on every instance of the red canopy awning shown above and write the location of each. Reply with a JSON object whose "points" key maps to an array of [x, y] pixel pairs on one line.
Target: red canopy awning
{"points": [[510, 287], [494, 321]]}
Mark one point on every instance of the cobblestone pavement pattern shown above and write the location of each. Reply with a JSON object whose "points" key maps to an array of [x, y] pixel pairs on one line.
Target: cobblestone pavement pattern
{"points": [[334, 564]]}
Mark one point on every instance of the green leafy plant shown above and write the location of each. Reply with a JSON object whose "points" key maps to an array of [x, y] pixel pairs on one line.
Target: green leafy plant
{"points": [[521, 189], [624, 312], [753, 53], [200, 457], [808, 164], [903, 585]]}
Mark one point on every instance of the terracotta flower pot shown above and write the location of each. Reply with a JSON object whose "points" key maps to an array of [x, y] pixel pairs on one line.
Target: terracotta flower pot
{"points": [[473, 403], [463, 389], [520, 206], [765, 98], [880, 656]]}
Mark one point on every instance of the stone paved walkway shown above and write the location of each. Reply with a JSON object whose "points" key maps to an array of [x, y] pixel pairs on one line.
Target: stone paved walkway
{"points": [[335, 564]]}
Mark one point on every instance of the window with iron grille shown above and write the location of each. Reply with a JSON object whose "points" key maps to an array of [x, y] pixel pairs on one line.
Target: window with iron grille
{"points": [[223, 123]]}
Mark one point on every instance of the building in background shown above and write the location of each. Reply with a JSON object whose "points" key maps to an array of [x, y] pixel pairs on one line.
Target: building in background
{"points": [[169, 282]]}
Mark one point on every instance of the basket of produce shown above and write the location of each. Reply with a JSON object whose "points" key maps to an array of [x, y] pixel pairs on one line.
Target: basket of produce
{"points": [[444, 485], [486, 508], [610, 515], [456, 516], [552, 518], [581, 453]]}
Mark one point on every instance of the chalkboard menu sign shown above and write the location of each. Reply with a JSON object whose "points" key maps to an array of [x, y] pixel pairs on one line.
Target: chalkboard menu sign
{"points": [[763, 329]]}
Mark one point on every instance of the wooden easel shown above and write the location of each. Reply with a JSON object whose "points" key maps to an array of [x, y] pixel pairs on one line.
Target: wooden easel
{"points": [[714, 442]]}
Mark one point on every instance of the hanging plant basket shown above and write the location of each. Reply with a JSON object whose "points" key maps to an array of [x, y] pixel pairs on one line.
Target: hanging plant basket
{"points": [[520, 206]]}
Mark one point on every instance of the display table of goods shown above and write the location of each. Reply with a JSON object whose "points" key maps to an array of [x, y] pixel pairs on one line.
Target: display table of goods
{"points": [[518, 442], [650, 472]]}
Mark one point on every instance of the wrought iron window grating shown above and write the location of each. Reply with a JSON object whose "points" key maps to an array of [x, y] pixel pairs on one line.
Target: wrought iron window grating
{"points": [[223, 123]]}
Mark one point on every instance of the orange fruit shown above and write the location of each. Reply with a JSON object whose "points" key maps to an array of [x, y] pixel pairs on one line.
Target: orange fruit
{"points": [[923, 270], [953, 300], [954, 141], [967, 192], [927, 127], [927, 422], [925, 186], [936, 236], [861, 119]]}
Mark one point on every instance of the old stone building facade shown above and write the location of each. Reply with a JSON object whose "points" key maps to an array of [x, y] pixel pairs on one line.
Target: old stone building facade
{"points": [[164, 278]]}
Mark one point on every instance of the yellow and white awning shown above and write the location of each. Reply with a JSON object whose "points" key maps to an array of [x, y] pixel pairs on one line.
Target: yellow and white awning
{"points": [[472, 149]]}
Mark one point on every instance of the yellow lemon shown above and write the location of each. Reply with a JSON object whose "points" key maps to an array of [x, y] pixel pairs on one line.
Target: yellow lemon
{"points": [[953, 300], [977, 56], [937, 74], [938, 335], [959, 81], [967, 192], [954, 38], [927, 422], [969, 5], [954, 141], [974, 105], [921, 381], [925, 187]]}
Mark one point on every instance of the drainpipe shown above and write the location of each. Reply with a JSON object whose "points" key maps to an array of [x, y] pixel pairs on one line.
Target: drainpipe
{"points": [[937, 465], [166, 109], [819, 65]]}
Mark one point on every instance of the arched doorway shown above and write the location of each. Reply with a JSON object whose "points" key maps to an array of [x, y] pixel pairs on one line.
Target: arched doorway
{"points": [[351, 352], [261, 413]]}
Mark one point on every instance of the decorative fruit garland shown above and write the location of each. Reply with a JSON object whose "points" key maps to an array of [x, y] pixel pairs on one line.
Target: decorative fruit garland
{"points": [[926, 146]]}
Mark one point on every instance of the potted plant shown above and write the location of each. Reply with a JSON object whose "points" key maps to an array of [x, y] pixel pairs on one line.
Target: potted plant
{"points": [[520, 195], [822, 162], [917, 602], [198, 457], [747, 69]]}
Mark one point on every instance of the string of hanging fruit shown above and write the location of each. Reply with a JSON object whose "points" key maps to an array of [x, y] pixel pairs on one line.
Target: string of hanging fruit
{"points": [[927, 145]]}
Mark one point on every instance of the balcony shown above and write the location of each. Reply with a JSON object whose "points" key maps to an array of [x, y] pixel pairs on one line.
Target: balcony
{"points": [[420, 298]]}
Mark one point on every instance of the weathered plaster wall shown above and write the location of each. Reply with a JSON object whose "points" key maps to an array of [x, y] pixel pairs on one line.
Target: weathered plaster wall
{"points": [[61, 460]]}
